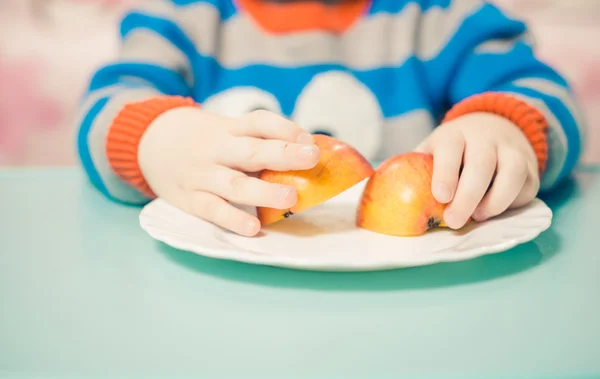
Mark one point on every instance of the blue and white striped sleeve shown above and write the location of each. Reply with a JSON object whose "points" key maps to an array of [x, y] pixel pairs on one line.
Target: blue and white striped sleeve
{"points": [[156, 58], [480, 48]]}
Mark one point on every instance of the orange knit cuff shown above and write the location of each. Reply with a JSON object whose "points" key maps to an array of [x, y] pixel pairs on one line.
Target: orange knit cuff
{"points": [[126, 131], [531, 121]]}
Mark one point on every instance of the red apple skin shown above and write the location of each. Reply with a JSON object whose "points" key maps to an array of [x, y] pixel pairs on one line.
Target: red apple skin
{"points": [[340, 167], [397, 199]]}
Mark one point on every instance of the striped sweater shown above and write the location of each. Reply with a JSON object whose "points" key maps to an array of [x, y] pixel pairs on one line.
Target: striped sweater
{"points": [[378, 74]]}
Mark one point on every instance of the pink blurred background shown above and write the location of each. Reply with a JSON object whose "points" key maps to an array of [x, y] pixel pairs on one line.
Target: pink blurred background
{"points": [[49, 48]]}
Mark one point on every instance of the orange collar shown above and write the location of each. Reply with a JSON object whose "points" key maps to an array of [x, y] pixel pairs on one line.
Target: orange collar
{"points": [[304, 15]]}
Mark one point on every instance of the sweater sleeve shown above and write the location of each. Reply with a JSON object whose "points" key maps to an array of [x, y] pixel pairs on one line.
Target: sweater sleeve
{"points": [[481, 50], [155, 70]]}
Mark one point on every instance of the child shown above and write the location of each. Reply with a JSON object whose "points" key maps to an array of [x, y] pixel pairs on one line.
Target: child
{"points": [[206, 93]]}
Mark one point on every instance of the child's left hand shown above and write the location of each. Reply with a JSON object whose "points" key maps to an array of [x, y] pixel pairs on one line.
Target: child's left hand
{"points": [[493, 154]]}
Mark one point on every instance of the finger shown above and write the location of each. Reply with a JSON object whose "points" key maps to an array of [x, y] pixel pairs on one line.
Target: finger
{"points": [[447, 160], [511, 175], [530, 189], [216, 210], [252, 154], [479, 167], [240, 188], [268, 125], [424, 147]]}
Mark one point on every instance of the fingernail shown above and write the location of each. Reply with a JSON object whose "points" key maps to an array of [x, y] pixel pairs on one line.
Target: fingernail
{"points": [[442, 193], [307, 151], [305, 139], [251, 227], [450, 219]]}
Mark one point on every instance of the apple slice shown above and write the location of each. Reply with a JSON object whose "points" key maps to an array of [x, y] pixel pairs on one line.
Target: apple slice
{"points": [[340, 167], [397, 199]]}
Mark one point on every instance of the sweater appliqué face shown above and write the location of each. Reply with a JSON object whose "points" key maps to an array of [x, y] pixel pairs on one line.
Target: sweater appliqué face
{"points": [[337, 104]]}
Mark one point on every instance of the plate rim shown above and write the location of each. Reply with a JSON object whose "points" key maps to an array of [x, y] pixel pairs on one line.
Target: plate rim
{"points": [[236, 254]]}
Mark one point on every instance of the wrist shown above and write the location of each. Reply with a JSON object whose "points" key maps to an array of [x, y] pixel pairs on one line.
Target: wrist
{"points": [[126, 133], [162, 145]]}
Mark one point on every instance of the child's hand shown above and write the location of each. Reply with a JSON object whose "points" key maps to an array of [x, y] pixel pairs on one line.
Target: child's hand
{"points": [[199, 163], [490, 150]]}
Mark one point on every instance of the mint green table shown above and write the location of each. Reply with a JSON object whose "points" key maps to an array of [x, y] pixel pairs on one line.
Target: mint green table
{"points": [[85, 293]]}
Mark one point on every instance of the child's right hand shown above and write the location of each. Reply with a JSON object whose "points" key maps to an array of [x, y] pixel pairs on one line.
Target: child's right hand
{"points": [[199, 162]]}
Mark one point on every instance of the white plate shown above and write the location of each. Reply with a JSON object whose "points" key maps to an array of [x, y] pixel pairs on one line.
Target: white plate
{"points": [[326, 239]]}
